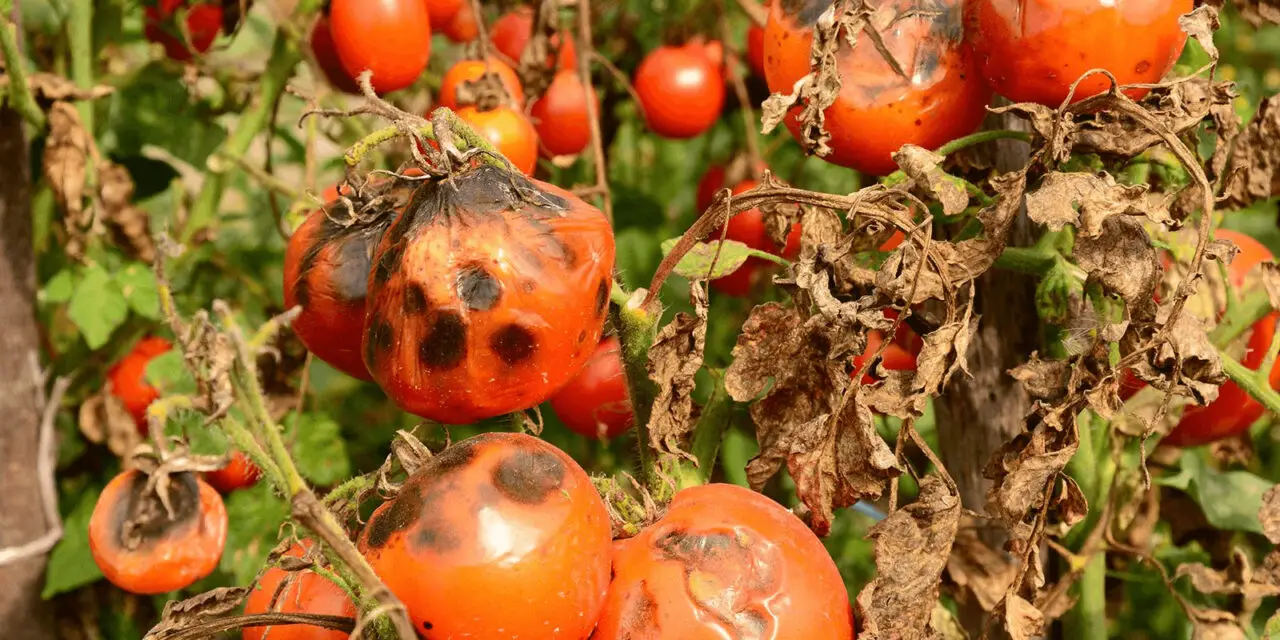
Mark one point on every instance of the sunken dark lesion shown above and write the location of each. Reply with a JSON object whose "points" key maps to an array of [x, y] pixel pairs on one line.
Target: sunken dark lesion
{"points": [[483, 190], [478, 289], [444, 346], [513, 344], [805, 12], [602, 296], [529, 475], [379, 340], [402, 514], [415, 299], [135, 500], [352, 245]]}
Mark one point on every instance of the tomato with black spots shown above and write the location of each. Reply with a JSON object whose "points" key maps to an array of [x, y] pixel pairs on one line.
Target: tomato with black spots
{"points": [[307, 592], [204, 21], [140, 549], [499, 536], [596, 403], [486, 295], [128, 379]]}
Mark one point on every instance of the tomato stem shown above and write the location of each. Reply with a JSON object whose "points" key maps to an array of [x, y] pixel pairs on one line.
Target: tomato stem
{"points": [[19, 92], [1251, 382], [1244, 314], [637, 329], [964, 143]]}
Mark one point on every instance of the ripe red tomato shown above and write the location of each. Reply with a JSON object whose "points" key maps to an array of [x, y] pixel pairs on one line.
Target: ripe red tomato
{"points": [[595, 403], [1033, 50], [204, 21], [509, 130], [712, 182], [748, 228], [755, 48], [486, 296], [499, 536], [129, 383], [141, 550], [510, 35], [712, 49], [392, 38], [240, 473], [878, 111], [1234, 410], [725, 562], [307, 593], [442, 12], [895, 358], [323, 48], [464, 27], [560, 115], [471, 70], [680, 89]]}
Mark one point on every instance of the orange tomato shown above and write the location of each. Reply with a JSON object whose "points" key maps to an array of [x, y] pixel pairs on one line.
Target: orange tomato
{"points": [[240, 473], [464, 27], [391, 38], [509, 130], [471, 70], [510, 34], [129, 381], [595, 403], [307, 593]]}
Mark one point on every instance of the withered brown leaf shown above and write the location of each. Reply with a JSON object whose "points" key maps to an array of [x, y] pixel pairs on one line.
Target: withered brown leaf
{"points": [[66, 158], [979, 570], [1022, 620], [674, 360], [1087, 200], [1257, 155], [1124, 262], [1269, 514], [1259, 12], [922, 166]]}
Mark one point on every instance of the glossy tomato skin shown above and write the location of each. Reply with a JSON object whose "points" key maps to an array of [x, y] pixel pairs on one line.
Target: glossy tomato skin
{"points": [[499, 536], [748, 228], [204, 21], [442, 12], [168, 555], [307, 593], [511, 32], [240, 473], [392, 38], [680, 89], [1033, 50], [326, 53], [595, 403], [471, 70], [129, 383], [877, 111], [560, 115], [509, 130], [464, 27], [482, 303], [725, 562]]}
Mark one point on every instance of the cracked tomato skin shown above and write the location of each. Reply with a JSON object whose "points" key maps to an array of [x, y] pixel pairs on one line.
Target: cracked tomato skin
{"points": [[499, 536], [307, 593], [725, 562], [681, 90], [129, 383], [486, 295], [171, 554], [391, 38], [877, 111], [204, 21], [595, 403], [1033, 50]]}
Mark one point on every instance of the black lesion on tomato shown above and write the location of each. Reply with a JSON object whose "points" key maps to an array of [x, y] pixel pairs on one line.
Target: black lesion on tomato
{"points": [[513, 344], [692, 548], [528, 476], [640, 614], [415, 299], [602, 296], [184, 497], [446, 344], [380, 339], [350, 277], [562, 251], [477, 288], [484, 190], [805, 12], [404, 511], [432, 531]]}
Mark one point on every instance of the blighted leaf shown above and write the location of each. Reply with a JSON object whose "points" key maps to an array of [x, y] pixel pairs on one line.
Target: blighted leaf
{"points": [[1269, 514], [1087, 200], [1239, 578], [129, 225], [70, 564], [1271, 282], [66, 157], [697, 264], [1200, 24], [979, 570], [921, 165], [1259, 12], [674, 361], [1123, 261], [1257, 155], [97, 307], [51, 87], [1212, 624], [1022, 620], [103, 418], [943, 354], [1043, 379], [1026, 471], [182, 614], [912, 546]]}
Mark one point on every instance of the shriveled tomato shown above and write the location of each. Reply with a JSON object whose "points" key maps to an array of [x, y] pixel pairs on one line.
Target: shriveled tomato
{"points": [[499, 536], [595, 403], [680, 89], [510, 34], [1034, 50], [306, 593], [240, 473], [326, 54], [443, 11], [140, 549], [204, 21], [487, 295], [471, 70], [509, 130], [391, 38], [895, 358], [128, 379], [940, 96], [755, 48], [464, 27], [560, 115], [725, 562], [748, 228]]}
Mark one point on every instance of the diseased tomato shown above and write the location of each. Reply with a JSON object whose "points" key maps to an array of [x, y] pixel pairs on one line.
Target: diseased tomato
{"points": [[442, 12], [895, 358], [755, 49], [322, 48], [560, 115], [499, 536], [1034, 50], [940, 98], [204, 21], [725, 562], [391, 38], [510, 34], [680, 89], [240, 473], [748, 228], [487, 295], [472, 70], [128, 379], [509, 130], [595, 403], [464, 27], [141, 550], [306, 593]]}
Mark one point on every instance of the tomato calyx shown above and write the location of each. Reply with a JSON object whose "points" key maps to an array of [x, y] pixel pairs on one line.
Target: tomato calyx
{"points": [[165, 493], [486, 92]]}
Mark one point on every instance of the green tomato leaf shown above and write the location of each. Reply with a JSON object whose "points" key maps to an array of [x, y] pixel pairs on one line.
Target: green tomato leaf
{"points": [[97, 307], [694, 265], [60, 287], [138, 285], [203, 440], [1230, 499], [253, 518], [71, 566], [169, 374], [319, 450]]}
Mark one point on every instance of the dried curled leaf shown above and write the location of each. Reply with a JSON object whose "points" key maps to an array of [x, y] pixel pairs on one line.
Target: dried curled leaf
{"points": [[1269, 515], [1087, 200], [1022, 620], [1257, 156], [1240, 578], [180, 614], [104, 418], [66, 159], [1259, 12], [674, 360], [1026, 472], [921, 165], [52, 88], [1186, 351], [979, 570], [130, 225], [1123, 261]]}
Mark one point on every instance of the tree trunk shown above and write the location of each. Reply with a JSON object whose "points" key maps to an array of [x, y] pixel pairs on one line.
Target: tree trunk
{"points": [[23, 615]]}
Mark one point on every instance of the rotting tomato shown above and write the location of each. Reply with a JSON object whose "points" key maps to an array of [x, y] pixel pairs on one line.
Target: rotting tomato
{"points": [[306, 593], [442, 12], [240, 473], [464, 27], [939, 97], [680, 90], [204, 21], [510, 34], [1034, 50], [749, 229], [725, 562], [509, 130], [499, 536], [140, 549], [595, 403], [487, 295], [471, 70], [560, 115], [391, 38], [129, 382], [323, 48]]}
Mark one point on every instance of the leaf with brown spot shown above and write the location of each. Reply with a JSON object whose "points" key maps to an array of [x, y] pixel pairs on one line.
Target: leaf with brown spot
{"points": [[674, 361], [1043, 379], [921, 165], [1257, 155], [979, 570], [1086, 201], [1269, 515], [66, 158], [1022, 620], [1123, 261]]}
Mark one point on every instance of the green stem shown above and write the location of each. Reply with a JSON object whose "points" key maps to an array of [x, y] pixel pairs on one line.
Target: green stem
{"points": [[1093, 470], [637, 330], [964, 143], [765, 255], [1253, 384], [709, 431], [1026, 260], [467, 139], [242, 437], [20, 97], [1088, 619], [80, 36], [1244, 314]]}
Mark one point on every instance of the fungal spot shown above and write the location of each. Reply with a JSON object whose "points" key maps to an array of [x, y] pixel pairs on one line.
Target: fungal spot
{"points": [[513, 343], [380, 339], [415, 299], [602, 296], [302, 292], [446, 345], [427, 625], [386, 265], [640, 613], [402, 514], [478, 289], [562, 251], [527, 286], [1142, 67], [184, 496], [350, 277], [528, 476], [432, 531], [582, 336]]}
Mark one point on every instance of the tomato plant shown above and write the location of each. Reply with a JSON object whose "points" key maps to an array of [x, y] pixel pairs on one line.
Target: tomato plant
{"points": [[306, 592], [509, 130], [390, 38], [471, 70], [748, 228], [203, 22], [560, 115], [595, 402], [681, 90]]}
